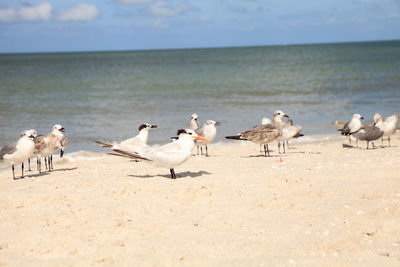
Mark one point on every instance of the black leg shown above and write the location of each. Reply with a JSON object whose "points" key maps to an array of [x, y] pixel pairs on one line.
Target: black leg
{"points": [[45, 162], [389, 140], [206, 151], [51, 161], [201, 149], [48, 164], [173, 175], [197, 150], [284, 150], [267, 150], [37, 165], [61, 153], [287, 144], [279, 147], [29, 165], [12, 167], [22, 168], [367, 144]]}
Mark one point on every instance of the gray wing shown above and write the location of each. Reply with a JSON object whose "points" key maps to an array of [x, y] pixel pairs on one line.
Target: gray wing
{"points": [[8, 149], [346, 129], [200, 131]]}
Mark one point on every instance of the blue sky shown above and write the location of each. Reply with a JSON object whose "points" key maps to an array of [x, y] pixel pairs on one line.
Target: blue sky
{"points": [[85, 25]]}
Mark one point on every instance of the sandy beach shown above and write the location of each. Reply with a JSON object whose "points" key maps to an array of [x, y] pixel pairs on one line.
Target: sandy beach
{"points": [[318, 205]]}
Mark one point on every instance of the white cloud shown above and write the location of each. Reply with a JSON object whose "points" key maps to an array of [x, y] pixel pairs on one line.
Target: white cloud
{"points": [[204, 18], [161, 24], [7, 14], [41, 12], [334, 21], [132, 2], [80, 12], [161, 9]]}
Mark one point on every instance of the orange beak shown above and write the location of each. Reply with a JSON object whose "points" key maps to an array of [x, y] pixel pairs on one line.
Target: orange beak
{"points": [[198, 137]]}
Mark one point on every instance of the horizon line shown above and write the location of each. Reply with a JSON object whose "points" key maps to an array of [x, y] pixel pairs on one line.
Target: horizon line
{"points": [[197, 48]]}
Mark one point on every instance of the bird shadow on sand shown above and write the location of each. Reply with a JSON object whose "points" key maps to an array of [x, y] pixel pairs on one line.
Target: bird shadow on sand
{"points": [[364, 147], [44, 173], [263, 156], [178, 175]]}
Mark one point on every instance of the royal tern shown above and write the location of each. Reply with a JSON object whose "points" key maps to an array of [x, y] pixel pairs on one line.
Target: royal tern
{"points": [[18, 151], [132, 144], [169, 155], [388, 126], [352, 126], [46, 145], [208, 131]]}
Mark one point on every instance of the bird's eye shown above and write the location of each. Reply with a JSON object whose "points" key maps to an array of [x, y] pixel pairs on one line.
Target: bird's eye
{"points": [[190, 133]]}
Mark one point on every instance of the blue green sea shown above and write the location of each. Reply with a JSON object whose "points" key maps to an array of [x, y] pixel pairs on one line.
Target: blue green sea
{"points": [[107, 95]]}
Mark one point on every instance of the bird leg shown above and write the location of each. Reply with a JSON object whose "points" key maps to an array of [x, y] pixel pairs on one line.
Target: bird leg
{"points": [[266, 150], [51, 161], [22, 168], [287, 144], [284, 150], [389, 141], [279, 147], [173, 175], [39, 163], [201, 149], [12, 167], [48, 163], [29, 165], [206, 151], [197, 150], [367, 144], [45, 162]]}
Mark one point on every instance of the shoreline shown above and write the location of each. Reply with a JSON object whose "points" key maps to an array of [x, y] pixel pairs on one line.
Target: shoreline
{"points": [[319, 204]]}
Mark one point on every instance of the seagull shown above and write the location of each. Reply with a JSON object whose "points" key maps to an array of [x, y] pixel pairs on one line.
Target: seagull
{"points": [[339, 124], [132, 144], [264, 121], [169, 155], [209, 132], [352, 126], [288, 131], [262, 134], [34, 133], [194, 122], [368, 133], [388, 126], [46, 145], [18, 151]]}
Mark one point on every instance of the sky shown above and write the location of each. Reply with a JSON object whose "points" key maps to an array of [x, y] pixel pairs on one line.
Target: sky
{"points": [[88, 25]]}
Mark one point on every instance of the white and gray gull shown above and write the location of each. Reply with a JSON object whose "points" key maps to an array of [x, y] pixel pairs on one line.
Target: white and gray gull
{"points": [[18, 151], [208, 131]]}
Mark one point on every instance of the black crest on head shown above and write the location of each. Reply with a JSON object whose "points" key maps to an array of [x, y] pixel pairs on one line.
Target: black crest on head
{"points": [[142, 126], [181, 131]]}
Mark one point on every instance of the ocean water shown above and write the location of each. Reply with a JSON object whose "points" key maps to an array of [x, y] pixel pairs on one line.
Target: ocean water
{"points": [[107, 95]]}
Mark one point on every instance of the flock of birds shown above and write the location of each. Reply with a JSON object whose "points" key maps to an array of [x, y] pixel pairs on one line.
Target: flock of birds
{"points": [[380, 128], [31, 145], [174, 153]]}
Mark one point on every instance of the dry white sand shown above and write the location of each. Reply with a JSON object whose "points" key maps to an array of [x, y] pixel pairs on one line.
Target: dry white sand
{"points": [[318, 205]]}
